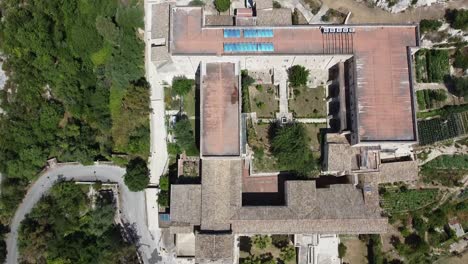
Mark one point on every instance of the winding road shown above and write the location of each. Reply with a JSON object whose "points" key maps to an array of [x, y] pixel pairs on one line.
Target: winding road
{"points": [[132, 204]]}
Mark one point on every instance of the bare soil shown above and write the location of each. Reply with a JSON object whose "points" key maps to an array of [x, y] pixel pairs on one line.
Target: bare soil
{"points": [[356, 250], [361, 13]]}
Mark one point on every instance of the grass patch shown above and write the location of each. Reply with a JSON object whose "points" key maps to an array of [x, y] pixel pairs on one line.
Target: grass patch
{"points": [[101, 56], [399, 200], [262, 100], [447, 170], [313, 132], [189, 103], [308, 102], [258, 140]]}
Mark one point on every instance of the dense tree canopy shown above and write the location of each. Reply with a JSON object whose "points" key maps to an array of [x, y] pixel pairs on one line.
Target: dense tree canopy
{"points": [[185, 136], [75, 90], [291, 147], [298, 75], [137, 176], [222, 5], [426, 25], [182, 85], [64, 228], [458, 18]]}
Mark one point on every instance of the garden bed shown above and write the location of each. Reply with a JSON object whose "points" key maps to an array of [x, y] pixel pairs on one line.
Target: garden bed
{"points": [[447, 170], [269, 251], [431, 65], [262, 100], [439, 129], [308, 102], [400, 200]]}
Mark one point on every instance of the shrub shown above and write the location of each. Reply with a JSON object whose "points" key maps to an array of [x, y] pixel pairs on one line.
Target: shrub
{"points": [[222, 5], [164, 183], [298, 75], [259, 87], [295, 17], [461, 59], [276, 4], [288, 253], [246, 81], [261, 241], [437, 65], [290, 145], [163, 199], [280, 241], [458, 18], [137, 176], [427, 25], [184, 135], [181, 85], [460, 86], [341, 250], [196, 3]]}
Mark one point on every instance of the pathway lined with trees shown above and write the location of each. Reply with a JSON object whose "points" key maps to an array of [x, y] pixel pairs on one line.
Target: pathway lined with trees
{"points": [[133, 213]]}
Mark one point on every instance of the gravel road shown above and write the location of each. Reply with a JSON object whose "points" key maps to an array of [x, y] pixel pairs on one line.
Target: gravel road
{"points": [[132, 204]]}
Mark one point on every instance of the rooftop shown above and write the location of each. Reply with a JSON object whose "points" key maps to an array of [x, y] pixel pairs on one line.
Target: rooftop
{"points": [[220, 110], [186, 204], [384, 96], [214, 248]]}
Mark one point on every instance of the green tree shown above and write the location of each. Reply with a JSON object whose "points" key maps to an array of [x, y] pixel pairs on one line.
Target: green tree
{"points": [[426, 25], [280, 241], [458, 18], [298, 75], [222, 5], [288, 253], [137, 176], [291, 147], [341, 250], [163, 198], [164, 183], [184, 136], [461, 59], [182, 86], [251, 260], [261, 241]]}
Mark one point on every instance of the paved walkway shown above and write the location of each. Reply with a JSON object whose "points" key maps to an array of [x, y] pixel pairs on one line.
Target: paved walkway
{"points": [[132, 203]]}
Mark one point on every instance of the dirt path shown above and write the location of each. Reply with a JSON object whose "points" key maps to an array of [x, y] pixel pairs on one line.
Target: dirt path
{"points": [[361, 13]]}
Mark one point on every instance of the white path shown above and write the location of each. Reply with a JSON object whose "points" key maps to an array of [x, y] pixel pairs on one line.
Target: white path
{"points": [[132, 204]]}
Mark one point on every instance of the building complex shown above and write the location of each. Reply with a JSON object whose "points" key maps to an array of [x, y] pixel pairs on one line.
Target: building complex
{"points": [[368, 142]]}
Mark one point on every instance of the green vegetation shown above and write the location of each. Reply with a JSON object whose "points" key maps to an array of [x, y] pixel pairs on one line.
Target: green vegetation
{"points": [[263, 101], [276, 4], [444, 112], [308, 102], [261, 241], [461, 59], [185, 137], [374, 248], [341, 250], [246, 82], [458, 18], [288, 253], [196, 3], [447, 170], [137, 176], [264, 249], [222, 5], [182, 86], [290, 146], [427, 25], [258, 140], [163, 198], [314, 5], [432, 65], [442, 128], [76, 89], [298, 75], [458, 85], [398, 200], [64, 227], [430, 98]]}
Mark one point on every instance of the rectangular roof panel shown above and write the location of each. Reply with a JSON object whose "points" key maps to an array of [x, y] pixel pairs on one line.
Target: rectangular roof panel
{"points": [[220, 110]]}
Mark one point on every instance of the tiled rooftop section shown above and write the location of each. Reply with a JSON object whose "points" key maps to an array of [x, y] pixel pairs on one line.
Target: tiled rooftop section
{"points": [[220, 110], [385, 109], [382, 68]]}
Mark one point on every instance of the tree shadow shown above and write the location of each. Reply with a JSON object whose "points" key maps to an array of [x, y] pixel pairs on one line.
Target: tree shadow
{"points": [[245, 244]]}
